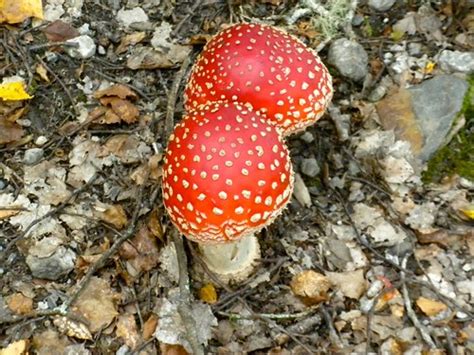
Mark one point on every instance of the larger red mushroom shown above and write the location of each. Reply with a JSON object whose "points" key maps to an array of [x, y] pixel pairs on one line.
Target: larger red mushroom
{"points": [[226, 175], [265, 68]]}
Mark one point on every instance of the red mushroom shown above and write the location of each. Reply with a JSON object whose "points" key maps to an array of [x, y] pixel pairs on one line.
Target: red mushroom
{"points": [[226, 175], [264, 68]]}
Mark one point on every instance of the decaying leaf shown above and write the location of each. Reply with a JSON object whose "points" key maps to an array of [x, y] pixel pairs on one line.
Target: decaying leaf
{"points": [[72, 328], [130, 40], [42, 72], [154, 224], [9, 132], [60, 31], [115, 215], [352, 284], [208, 293], [4, 214], [118, 90], [49, 342], [16, 11], [430, 307], [97, 304], [19, 347], [310, 286], [127, 330], [171, 349], [19, 303], [149, 326]]}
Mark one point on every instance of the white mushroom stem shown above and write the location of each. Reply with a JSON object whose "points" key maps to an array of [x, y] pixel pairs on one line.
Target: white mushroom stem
{"points": [[232, 261]]}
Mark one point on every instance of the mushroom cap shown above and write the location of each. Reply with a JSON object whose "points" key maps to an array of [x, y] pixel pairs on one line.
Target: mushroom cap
{"points": [[226, 174], [265, 68]]}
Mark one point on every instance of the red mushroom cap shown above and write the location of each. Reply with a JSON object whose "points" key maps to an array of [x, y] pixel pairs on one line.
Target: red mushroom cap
{"points": [[265, 68], [226, 173]]}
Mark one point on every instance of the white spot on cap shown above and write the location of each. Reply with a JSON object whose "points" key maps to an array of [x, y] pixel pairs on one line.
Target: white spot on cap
{"points": [[268, 201], [246, 193], [239, 210], [201, 197], [189, 206], [217, 211], [255, 218]]}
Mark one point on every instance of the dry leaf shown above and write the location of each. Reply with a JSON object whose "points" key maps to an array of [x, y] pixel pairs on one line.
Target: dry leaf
{"points": [[123, 109], [42, 72], [352, 283], [430, 307], [208, 293], [97, 304], [130, 40], [72, 328], [16, 348], [20, 304], [16, 11], [154, 224], [127, 330], [115, 215], [4, 214], [118, 90], [13, 91], [49, 342], [311, 286], [171, 349], [149, 326], [59, 31]]}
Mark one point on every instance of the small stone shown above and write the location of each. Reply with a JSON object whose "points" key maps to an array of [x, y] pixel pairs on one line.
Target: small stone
{"points": [[357, 20], [33, 156], [301, 192], [127, 17], [381, 5], [456, 61], [81, 47], [350, 58], [41, 140], [414, 49], [310, 167], [307, 137]]}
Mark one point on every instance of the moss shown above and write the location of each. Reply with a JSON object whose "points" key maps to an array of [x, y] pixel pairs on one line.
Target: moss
{"points": [[456, 157]]}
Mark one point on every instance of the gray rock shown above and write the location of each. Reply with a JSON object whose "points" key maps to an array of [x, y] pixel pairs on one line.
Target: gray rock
{"points": [[310, 167], [350, 58], [456, 61], [414, 49], [33, 156], [307, 137], [381, 5], [436, 103], [47, 259], [81, 47], [127, 17]]}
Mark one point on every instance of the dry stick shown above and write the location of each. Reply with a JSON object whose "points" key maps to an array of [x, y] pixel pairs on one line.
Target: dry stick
{"points": [[113, 249], [424, 332], [170, 107], [274, 316], [58, 209], [184, 308], [190, 13], [66, 90]]}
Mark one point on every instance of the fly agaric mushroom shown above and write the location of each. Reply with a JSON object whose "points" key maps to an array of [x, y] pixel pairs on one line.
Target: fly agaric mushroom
{"points": [[227, 174], [264, 68]]}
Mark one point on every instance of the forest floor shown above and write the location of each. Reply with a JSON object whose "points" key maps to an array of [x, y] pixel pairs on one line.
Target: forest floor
{"points": [[374, 253]]}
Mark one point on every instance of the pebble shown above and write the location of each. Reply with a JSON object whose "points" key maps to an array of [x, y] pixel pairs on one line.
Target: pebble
{"points": [[310, 167], [41, 140], [127, 17], [307, 137], [456, 61], [301, 192], [82, 47], [436, 103], [381, 5], [350, 58], [33, 156]]}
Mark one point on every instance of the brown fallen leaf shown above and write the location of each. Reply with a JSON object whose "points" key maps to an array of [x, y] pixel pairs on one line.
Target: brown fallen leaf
{"points": [[118, 90], [154, 224], [97, 304], [115, 215], [60, 31], [351, 283], [127, 330], [208, 293], [42, 72], [310, 286], [49, 342], [20, 304], [149, 58], [172, 349], [4, 214], [130, 40], [430, 307], [123, 109], [149, 326], [9, 132]]}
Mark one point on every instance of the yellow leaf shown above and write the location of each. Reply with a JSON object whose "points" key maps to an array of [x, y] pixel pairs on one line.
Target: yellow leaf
{"points": [[429, 67], [17, 348], [13, 91], [468, 212], [430, 307], [8, 213], [16, 11], [208, 294]]}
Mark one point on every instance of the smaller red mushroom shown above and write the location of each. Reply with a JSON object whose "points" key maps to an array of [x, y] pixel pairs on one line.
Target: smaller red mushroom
{"points": [[264, 68], [227, 174]]}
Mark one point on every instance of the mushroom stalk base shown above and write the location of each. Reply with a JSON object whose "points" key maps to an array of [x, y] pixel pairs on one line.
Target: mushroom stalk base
{"points": [[232, 261]]}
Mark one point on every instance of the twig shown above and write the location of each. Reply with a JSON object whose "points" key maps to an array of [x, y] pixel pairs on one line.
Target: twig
{"points": [[58, 209], [171, 105], [411, 313], [333, 336], [275, 316], [191, 12], [184, 308], [113, 249]]}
